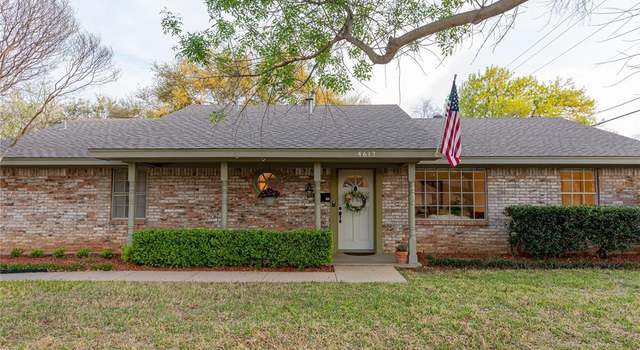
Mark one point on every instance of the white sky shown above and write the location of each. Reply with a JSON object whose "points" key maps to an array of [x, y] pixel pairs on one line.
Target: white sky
{"points": [[132, 29]]}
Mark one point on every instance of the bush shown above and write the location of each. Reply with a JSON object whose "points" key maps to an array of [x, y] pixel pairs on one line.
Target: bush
{"points": [[126, 253], [217, 247], [83, 253], [19, 268], [17, 252], [552, 231], [107, 253], [499, 263], [101, 267], [58, 253], [37, 253]]}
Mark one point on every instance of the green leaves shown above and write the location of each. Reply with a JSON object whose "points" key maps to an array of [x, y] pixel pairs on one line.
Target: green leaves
{"points": [[217, 247], [498, 93], [277, 39], [555, 230]]}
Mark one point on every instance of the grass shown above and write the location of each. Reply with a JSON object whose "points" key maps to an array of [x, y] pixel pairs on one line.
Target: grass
{"points": [[436, 309]]}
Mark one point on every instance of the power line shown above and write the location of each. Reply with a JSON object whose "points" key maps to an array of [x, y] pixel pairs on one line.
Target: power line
{"points": [[581, 41], [617, 117], [616, 106], [556, 37], [542, 38]]}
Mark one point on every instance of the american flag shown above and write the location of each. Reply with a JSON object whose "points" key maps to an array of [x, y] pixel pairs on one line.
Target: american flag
{"points": [[451, 144]]}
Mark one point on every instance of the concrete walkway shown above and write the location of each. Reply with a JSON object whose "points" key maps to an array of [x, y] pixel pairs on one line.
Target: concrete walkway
{"points": [[342, 273]]}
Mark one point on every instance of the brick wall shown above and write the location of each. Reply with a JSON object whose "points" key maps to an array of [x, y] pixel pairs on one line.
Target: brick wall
{"points": [[505, 186], [57, 207], [71, 207], [619, 186]]}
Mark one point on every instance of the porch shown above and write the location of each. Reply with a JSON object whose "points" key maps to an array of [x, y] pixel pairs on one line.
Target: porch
{"points": [[322, 201]]}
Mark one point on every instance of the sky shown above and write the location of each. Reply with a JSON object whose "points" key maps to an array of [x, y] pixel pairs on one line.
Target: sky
{"points": [[132, 29]]}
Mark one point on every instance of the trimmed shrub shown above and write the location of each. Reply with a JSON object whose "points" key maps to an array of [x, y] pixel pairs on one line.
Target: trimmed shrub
{"points": [[17, 252], [58, 253], [83, 253], [552, 231], [18, 268], [499, 263], [126, 253], [107, 254], [37, 253], [217, 247]]}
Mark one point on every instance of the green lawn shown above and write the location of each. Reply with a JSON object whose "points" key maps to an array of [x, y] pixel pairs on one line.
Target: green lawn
{"points": [[436, 309]]}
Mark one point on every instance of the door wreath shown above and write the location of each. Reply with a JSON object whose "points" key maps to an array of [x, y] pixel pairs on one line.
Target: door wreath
{"points": [[359, 196]]}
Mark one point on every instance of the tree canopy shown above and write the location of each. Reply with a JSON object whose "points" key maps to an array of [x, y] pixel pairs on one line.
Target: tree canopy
{"points": [[497, 93], [335, 41]]}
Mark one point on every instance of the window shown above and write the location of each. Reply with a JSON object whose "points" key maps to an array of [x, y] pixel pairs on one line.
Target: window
{"points": [[446, 194], [120, 194], [578, 187]]}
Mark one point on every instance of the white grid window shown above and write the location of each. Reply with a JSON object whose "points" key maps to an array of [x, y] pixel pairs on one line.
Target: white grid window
{"points": [[120, 194], [445, 194], [578, 187]]}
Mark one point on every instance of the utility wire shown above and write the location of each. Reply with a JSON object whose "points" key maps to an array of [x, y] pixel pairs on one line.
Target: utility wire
{"points": [[583, 40], [617, 117], [616, 106], [541, 38], [556, 37]]}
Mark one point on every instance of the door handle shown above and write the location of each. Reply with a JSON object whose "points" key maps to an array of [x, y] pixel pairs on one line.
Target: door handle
{"points": [[339, 215]]}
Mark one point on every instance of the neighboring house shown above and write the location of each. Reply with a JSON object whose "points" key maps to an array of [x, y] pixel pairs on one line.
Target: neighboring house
{"points": [[67, 186]]}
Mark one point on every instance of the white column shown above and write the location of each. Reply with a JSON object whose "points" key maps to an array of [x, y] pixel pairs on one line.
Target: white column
{"points": [[224, 178], [132, 201], [413, 254], [317, 181]]}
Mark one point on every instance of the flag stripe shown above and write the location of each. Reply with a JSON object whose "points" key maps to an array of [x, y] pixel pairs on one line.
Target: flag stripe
{"points": [[451, 143]]}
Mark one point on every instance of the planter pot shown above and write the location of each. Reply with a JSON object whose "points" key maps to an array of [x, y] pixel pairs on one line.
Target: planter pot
{"points": [[269, 201], [402, 257]]}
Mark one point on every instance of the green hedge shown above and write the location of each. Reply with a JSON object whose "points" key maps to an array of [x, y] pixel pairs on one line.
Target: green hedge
{"points": [[47, 267], [501, 263], [551, 231], [216, 247]]}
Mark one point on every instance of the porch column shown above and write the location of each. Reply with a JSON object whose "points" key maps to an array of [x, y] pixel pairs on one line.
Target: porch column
{"points": [[131, 219], [317, 179], [413, 255], [224, 178]]}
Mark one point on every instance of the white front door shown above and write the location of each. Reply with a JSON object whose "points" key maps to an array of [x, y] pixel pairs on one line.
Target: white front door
{"points": [[355, 228]]}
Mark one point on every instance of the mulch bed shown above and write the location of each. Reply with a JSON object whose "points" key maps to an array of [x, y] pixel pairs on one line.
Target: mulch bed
{"points": [[119, 265], [575, 261], [613, 258]]}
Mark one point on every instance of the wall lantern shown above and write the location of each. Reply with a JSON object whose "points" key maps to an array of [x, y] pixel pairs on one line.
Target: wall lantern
{"points": [[308, 190]]}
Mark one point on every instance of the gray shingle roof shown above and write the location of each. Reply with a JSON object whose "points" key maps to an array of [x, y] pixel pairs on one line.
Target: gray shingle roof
{"points": [[336, 127], [535, 137], [278, 127]]}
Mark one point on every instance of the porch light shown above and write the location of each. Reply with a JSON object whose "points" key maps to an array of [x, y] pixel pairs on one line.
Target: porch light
{"points": [[308, 190]]}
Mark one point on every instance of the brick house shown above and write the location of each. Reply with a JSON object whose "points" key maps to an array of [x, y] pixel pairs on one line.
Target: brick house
{"points": [[68, 185]]}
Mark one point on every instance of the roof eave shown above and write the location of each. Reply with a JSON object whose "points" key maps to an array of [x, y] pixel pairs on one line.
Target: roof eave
{"points": [[351, 155], [58, 161], [543, 160]]}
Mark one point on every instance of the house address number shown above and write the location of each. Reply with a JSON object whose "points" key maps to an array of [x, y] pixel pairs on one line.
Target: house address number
{"points": [[366, 154]]}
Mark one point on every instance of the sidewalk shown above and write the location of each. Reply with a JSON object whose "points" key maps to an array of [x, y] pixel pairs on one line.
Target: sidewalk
{"points": [[342, 273]]}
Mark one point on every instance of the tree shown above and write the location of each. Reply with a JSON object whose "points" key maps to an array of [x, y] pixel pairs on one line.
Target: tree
{"points": [[426, 109], [335, 41], [45, 56], [180, 84], [498, 93], [16, 108]]}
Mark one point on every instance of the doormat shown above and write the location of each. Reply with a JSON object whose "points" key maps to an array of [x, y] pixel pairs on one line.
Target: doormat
{"points": [[359, 254]]}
